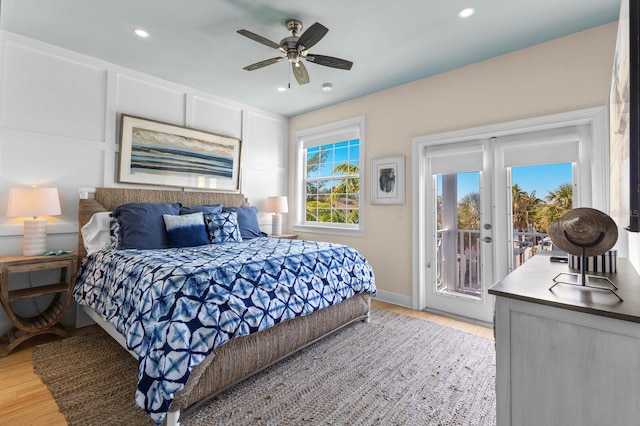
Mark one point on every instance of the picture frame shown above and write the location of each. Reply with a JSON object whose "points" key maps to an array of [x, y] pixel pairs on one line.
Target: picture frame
{"points": [[157, 153], [387, 180]]}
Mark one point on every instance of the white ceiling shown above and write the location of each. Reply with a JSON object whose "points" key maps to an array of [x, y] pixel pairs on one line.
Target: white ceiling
{"points": [[195, 43]]}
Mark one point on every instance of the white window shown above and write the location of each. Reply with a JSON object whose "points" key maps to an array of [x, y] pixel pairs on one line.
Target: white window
{"points": [[329, 178]]}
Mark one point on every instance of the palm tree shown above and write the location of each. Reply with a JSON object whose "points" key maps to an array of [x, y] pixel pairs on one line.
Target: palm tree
{"points": [[524, 207], [347, 185], [315, 209], [558, 202], [315, 159], [332, 215], [562, 197], [469, 211], [343, 193]]}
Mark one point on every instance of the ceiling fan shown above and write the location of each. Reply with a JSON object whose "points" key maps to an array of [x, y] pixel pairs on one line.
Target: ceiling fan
{"points": [[295, 48]]}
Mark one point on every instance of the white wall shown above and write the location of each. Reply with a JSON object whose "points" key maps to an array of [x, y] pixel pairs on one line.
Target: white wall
{"points": [[562, 75], [59, 118]]}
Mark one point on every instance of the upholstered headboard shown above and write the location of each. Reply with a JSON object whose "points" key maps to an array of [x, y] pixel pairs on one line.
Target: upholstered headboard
{"points": [[107, 199]]}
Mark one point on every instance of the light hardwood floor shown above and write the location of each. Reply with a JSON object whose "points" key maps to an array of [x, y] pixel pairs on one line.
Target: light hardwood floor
{"points": [[25, 400]]}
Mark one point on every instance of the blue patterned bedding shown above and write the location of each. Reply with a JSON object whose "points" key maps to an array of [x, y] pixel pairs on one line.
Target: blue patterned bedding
{"points": [[174, 306]]}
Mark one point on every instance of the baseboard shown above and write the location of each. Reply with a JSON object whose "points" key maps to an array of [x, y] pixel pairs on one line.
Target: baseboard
{"points": [[394, 298]]}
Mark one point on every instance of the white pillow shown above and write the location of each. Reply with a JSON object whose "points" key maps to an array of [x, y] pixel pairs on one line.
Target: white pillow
{"points": [[96, 233]]}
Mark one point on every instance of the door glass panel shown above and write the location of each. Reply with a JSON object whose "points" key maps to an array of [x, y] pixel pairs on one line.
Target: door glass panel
{"points": [[458, 245], [540, 195]]}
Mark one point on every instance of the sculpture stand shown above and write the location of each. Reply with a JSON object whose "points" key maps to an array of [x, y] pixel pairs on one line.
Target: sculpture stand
{"points": [[583, 279]]}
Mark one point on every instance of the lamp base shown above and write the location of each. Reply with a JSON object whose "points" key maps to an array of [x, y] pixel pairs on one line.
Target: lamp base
{"points": [[35, 237], [276, 224]]}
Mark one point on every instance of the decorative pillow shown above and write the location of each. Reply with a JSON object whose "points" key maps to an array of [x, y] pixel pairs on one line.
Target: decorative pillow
{"points": [[114, 232], [186, 230], [96, 233], [213, 208], [247, 221], [222, 227], [142, 226]]}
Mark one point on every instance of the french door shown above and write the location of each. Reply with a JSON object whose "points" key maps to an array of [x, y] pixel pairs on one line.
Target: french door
{"points": [[464, 239], [459, 244], [470, 240]]}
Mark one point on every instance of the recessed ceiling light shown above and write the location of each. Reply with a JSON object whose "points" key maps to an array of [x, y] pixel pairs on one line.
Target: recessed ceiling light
{"points": [[141, 33], [282, 89], [466, 12], [327, 87]]}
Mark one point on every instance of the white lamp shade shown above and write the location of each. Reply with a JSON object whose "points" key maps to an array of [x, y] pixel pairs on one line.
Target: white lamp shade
{"points": [[277, 204], [33, 202]]}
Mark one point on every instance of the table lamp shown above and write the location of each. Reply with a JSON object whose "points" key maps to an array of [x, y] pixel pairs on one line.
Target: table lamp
{"points": [[277, 205], [34, 202]]}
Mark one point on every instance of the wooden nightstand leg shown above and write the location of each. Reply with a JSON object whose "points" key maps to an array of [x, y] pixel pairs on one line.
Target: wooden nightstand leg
{"points": [[14, 337]]}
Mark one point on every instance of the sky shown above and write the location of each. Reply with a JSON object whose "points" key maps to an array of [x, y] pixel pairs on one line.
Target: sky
{"points": [[338, 153], [542, 179]]}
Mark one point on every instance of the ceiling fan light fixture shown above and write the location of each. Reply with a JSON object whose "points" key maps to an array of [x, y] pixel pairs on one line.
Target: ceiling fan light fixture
{"points": [[293, 56], [466, 12], [141, 33], [327, 87]]}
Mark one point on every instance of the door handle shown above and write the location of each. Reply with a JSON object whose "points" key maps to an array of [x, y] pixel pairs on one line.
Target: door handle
{"points": [[486, 239]]}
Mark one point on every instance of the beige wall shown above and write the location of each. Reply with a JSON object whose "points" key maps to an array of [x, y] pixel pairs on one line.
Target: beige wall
{"points": [[566, 74]]}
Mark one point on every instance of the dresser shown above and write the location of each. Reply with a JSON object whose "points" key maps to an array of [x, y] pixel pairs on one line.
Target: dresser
{"points": [[567, 356]]}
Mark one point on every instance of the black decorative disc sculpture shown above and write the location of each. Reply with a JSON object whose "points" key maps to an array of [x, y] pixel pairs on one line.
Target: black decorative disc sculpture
{"points": [[584, 232]]}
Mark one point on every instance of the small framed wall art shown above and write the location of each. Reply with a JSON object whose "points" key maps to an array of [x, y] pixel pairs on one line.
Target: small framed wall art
{"points": [[156, 153], [387, 180]]}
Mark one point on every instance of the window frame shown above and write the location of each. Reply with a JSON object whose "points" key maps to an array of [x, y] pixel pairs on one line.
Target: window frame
{"points": [[324, 135]]}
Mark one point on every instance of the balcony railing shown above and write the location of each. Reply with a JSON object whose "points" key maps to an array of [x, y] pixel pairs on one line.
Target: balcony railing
{"points": [[528, 244], [467, 274]]}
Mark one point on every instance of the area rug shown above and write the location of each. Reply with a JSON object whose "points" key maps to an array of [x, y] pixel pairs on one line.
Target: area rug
{"points": [[396, 370]]}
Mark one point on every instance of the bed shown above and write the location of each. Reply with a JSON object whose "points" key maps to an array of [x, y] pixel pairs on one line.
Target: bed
{"points": [[197, 358]]}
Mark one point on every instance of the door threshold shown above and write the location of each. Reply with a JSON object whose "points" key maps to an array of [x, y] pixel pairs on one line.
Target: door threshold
{"points": [[459, 317]]}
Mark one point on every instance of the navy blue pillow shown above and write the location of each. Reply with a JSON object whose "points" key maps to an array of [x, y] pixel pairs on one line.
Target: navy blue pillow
{"points": [[247, 221], [212, 208], [141, 224], [186, 230]]}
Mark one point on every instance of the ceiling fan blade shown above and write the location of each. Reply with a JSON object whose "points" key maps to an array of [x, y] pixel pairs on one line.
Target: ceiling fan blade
{"points": [[264, 63], [312, 35], [259, 39], [330, 61], [300, 72]]}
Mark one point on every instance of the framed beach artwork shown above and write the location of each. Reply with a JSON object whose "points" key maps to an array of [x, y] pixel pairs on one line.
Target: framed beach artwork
{"points": [[156, 153], [387, 180]]}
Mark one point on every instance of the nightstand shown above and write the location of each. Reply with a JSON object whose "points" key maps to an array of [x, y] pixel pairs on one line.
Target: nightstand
{"points": [[47, 321], [285, 236]]}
